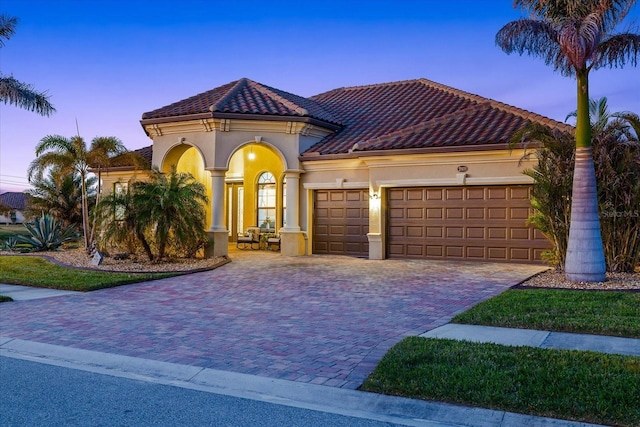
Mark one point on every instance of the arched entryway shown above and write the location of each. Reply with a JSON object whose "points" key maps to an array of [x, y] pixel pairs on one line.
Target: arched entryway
{"points": [[255, 190], [188, 159]]}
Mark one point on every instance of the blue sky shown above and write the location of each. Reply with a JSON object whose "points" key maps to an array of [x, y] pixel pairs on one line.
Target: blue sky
{"points": [[106, 62]]}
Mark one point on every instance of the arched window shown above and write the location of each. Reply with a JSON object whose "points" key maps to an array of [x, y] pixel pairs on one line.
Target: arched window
{"points": [[267, 201]]}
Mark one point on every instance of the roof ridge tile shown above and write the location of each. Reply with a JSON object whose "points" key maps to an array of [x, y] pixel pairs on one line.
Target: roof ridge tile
{"points": [[267, 91], [240, 83]]}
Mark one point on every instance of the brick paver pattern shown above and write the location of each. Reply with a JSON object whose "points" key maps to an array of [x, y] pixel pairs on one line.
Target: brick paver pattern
{"points": [[317, 319]]}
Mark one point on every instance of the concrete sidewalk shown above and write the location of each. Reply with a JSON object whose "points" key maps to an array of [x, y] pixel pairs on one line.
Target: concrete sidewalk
{"points": [[534, 338], [23, 293], [391, 409]]}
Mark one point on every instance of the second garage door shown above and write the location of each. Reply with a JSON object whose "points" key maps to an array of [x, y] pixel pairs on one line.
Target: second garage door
{"points": [[472, 223], [341, 222]]}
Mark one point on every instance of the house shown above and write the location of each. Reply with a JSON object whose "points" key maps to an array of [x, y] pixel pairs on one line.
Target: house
{"points": [[409, 169], [17, 203]]}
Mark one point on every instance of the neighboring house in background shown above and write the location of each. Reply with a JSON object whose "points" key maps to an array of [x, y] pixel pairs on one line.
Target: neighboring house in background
{"points": [[410, 169], [17, 202]]}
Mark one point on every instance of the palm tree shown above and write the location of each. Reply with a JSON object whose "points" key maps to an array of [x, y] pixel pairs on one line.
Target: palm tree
{"points": [[171, 207], [15, 92], [71, 155], [575, 37], [117, 219], [58, 195]]}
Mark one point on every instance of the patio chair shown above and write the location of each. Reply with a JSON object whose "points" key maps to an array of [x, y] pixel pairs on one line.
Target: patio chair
{"points": [[251, 237], [273, 243]]}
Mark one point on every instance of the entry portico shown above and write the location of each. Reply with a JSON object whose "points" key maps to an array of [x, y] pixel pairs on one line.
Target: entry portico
{"points": [[249, 144]]}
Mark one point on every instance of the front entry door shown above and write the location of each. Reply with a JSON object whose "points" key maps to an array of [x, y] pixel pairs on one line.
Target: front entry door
{"points": [[235, 210]]}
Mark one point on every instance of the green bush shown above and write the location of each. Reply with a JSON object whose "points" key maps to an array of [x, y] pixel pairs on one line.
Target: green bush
{"points": [[616, 153]]}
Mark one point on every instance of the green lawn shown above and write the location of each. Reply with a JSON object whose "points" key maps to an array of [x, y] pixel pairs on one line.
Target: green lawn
{"points": [[592, 312], [38, 272], [584, 386]]}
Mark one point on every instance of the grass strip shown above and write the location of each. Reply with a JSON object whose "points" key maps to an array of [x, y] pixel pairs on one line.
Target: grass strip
{"points": [[590, 312], [583, 386], [38, 272]]}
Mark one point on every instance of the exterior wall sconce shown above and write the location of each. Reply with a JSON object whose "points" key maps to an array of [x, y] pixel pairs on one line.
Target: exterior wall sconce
{"points": [[374, 196], [251, 155]]}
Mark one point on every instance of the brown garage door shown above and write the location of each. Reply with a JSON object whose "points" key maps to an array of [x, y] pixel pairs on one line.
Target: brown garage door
{"points": [[341, 222], [473, 223]]}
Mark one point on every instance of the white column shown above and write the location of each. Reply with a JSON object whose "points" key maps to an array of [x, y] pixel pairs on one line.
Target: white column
{"points": [[293, 201], [217, 200], [218, 234]]}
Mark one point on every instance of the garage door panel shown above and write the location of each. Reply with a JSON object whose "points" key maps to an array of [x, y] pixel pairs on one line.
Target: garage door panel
{"points": [[520, 233], [497, 254], [454, 232], [455, 251], [454, 213], [477, 223], [519, 213], [454, 193], [336, 196], [520, 254], [521, 193], [413, 194], [434, 194], [435, 213], [415, 231], [415, 213], [475, 232], [497, 233], [475, 252], [496, 193], [435, 232], [341, 222], [475, 194], [475, 213], [497, 213], [436, 251]]}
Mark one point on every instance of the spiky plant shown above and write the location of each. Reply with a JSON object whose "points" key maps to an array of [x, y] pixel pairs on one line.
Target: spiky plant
{"points": [[47, 234]]}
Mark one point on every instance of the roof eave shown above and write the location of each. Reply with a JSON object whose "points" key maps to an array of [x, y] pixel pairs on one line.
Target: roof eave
{"points": [[240, 116]]}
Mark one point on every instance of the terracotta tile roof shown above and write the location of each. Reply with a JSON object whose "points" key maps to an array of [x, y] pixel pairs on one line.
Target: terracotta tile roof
{"points": [[123, 162], [146, 153], [244, 96], [14, 200], [417, 114]]}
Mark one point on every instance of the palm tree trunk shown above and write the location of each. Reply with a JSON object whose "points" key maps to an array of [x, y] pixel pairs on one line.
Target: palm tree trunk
{"points": [[585, 253], [85, 212]]}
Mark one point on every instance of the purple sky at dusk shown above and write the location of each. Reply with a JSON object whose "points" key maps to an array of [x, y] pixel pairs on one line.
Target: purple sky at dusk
{"points": [[105, 63]]}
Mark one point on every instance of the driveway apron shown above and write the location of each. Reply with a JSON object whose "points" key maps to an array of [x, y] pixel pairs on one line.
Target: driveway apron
{"points": [[317, 319]]}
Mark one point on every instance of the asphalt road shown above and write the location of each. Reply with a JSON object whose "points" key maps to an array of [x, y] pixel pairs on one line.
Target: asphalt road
{"points": [[34, 394]]}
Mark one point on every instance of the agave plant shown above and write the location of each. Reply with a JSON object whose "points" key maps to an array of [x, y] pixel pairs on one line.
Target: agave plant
{"points": [[47, 234]]}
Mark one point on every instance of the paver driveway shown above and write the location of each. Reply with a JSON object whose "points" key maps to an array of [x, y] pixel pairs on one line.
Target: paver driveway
{"points": [[319, 319]]}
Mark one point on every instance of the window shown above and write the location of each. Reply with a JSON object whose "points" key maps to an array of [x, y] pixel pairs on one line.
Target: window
{"points": [[267, 201], [120, 189]]}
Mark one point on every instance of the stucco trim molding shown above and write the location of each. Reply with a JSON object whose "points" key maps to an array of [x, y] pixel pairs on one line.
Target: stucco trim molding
{"points": [[454, 182], [334, 185]]}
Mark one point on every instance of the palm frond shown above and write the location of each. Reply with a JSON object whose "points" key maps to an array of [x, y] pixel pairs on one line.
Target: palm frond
{"points": [[23, 95], [536, 38], [7, 27], [612, 12], [617, 50]]}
